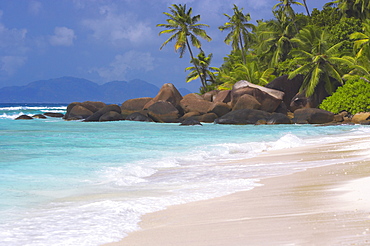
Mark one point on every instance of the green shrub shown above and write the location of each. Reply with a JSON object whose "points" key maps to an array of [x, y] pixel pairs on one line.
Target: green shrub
{"points": [[353, 97]]}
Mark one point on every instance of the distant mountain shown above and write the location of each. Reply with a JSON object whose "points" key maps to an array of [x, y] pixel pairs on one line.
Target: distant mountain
{"points": [[70, 89]]}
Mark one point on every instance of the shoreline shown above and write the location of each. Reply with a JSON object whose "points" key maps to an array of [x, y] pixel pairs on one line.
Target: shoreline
{"points": [[318, 206]]}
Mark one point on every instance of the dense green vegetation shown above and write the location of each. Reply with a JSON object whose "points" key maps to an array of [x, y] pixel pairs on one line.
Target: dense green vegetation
{"points": [[330, 46], [353, 97]]}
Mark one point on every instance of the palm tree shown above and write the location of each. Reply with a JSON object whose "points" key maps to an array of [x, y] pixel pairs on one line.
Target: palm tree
{"points": [[183, 26], [207, 73], [318, 62], [239, 35], [362, 40], [285, 6], [352, 8], [251, 71], [275, 39]]}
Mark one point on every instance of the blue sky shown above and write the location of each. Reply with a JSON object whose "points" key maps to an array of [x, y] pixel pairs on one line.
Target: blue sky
{"points": [[106, 40]]}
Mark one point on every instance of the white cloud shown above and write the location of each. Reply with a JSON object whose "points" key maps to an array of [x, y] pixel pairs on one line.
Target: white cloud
{"points": [[34, 7], [132, 60], [10, 64], [11, 37], [63, 36], [119, 29]]}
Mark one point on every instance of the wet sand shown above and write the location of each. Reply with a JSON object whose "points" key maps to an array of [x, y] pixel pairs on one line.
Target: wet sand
{"points": [[320, 206]]}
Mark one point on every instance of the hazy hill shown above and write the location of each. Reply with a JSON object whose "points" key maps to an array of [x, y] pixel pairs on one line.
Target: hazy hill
{"points": [[70, 89]]}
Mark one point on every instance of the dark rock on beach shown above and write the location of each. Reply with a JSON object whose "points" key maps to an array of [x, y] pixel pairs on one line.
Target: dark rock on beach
{"points": [[278, 118], [190, 122], [269, 99], [80, 111], [39, 116], [164, 112], [243, 117], [312, 116], [111, 116], [134, 105], [195, 103], [207, 118], [54, 115], [290, 87], [106, 109], [167, 93], [138, 117], [24, 117], [219, 108], [247, 101], [223, 96]]}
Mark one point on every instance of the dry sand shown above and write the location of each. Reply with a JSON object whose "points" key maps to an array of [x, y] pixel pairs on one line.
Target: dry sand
{"points": [[320, 206]]}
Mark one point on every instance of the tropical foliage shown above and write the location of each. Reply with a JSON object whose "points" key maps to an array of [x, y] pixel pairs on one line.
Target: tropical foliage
{"points": [[329, 46], [183, 26], [207, 72], [239, 36], [318, 61], [353, 97]]}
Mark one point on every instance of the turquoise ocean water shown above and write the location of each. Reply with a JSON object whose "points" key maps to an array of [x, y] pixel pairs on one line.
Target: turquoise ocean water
{"points": [[76, 183]]}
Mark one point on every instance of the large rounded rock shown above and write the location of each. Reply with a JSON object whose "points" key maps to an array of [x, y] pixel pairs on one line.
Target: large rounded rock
{"points": [[93, 106], [190, 114], [86, 109], [163, 112], [312, 116], [193, 96], [78, 112], [195, 103], [269, 99], [168, 93], [223, 97], [138, 117], [243, 117], [111, 116], [278, 118], [210, 95], [357, 118], [220, 109], [134, 105], [290, 87], [108, 108], [208, 118], [301, 101], [247, 101]]}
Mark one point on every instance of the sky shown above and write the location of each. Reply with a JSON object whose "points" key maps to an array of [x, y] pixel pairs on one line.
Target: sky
{"points": [[107, 40]]}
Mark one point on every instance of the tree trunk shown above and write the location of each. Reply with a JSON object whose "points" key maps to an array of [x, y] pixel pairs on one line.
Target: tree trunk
{"points": [[305, 5], [195, 65], [242, 47]]}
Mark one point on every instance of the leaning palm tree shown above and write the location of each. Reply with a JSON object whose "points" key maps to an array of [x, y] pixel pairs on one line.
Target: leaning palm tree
{"points": [[207, 73], [239, 36], [183, 27], [317, 60]]}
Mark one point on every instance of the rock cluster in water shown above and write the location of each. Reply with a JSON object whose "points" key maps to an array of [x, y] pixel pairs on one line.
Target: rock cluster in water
{"points": [[279, 102]]}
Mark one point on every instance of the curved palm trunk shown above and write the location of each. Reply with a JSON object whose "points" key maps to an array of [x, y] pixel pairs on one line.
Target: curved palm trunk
{"points": [[305, 5], [195, 65]]}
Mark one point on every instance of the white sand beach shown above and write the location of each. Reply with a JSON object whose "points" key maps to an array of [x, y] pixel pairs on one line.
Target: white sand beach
{"points": [[327, 205]]}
